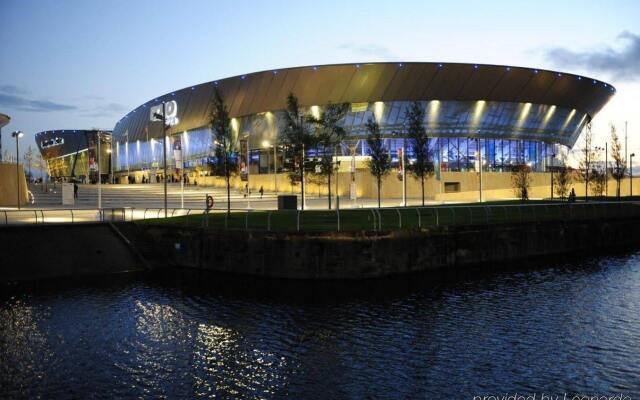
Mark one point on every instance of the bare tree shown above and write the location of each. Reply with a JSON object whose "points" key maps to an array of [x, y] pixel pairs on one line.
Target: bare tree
{"points": [[521, 180], [417, 136], [598, 181], [618, 167], [220, 123], [562, 180], [587, 158], [329, 134], [380, 161], [297, 136], [28, 158]]}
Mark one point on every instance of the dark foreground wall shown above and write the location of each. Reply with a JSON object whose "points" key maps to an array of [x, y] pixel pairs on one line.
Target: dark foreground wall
{"points": [[354, 256], [45, 251]]}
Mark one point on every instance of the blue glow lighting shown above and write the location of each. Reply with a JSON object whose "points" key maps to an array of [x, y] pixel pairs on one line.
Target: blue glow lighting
{"points": [[535, 71]]}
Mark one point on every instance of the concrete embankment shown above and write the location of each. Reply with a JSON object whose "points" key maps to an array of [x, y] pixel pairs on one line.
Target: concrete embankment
{"points": [[374, 255], [45, 251], [29, 252]]}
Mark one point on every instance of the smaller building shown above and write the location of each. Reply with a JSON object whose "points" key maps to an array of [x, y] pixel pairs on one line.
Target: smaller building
{"points": [[4, 120], [73, 154]]}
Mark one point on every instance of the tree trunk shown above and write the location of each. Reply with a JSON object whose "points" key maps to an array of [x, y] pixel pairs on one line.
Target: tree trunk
{"points": [[226, 176], [379, 184], [329, 187], [422, 184], [302, 182], [586, 187]]}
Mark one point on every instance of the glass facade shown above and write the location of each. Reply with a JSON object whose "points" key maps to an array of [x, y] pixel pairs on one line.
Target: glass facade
{"points": [[463, 135]]}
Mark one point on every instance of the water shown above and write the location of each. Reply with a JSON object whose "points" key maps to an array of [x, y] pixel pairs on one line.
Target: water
{"points": [[554, 329]]}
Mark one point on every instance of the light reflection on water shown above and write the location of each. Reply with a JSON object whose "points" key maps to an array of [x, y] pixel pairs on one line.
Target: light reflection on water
{"points": [[567, 327]]}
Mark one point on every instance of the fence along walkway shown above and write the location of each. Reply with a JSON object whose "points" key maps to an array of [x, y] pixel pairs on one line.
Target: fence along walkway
{"points": [[404, 218], [366, 219]]}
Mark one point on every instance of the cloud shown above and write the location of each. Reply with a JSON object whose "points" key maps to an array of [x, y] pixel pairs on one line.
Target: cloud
{"points": [[623, 64], [14, 97], [18, 102], [12, 89], [105, 110], [369, 50]]}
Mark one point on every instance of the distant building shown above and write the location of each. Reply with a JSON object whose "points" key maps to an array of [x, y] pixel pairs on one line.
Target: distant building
{"points": [[74, 153], [4, 120]]}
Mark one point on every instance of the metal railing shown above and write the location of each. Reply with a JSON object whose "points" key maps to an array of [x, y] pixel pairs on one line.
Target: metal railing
{"points": [[405, 218], [364, 219]]}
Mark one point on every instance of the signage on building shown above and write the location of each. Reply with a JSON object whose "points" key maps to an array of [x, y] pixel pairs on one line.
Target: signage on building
{"points": [[171, 112], [177, 153]]}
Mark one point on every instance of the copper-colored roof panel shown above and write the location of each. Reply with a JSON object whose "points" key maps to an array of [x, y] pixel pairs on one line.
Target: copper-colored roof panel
{"points": [[363, 84], [338, 78], [197, 115], [481, 82], [267, 91], [537, 84], [279, 101], [409, 82], [450, 81], [307, 88], [262, 92], [384, 80]]}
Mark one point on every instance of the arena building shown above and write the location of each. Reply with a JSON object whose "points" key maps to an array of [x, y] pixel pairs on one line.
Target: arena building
{"points": [[477, 116]]}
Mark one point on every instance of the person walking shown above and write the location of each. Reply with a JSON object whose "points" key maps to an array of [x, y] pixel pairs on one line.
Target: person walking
{"points": [[261, 191], [75, 190]]}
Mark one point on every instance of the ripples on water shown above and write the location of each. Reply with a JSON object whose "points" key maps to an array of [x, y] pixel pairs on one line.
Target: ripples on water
{"points": [[561, 328]]}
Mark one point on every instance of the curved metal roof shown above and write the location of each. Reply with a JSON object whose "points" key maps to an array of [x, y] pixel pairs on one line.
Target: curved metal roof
{"points": [[369, 82], [4, 119]]}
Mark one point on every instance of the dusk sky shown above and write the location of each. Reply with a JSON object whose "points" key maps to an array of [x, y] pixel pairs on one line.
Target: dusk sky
{"points": [[83, 64]]}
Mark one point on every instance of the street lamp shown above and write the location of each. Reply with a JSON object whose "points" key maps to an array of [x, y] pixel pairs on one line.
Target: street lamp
{"points": [[163, 119], [267, 145], [553, 157], [17, 135], [606, 170], [109, 151], [631, 173]]}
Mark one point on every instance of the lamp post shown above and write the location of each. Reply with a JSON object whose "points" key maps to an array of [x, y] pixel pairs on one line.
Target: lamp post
{"points": [[606, 168], [162, 118], [17, 135], [478, 144], [631, 173], [553, 156], [99, 176], [606, 174], [110, 152]]}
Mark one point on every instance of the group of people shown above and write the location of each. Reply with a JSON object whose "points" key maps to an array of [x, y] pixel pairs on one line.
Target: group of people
{"points": [[247, 191]]}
